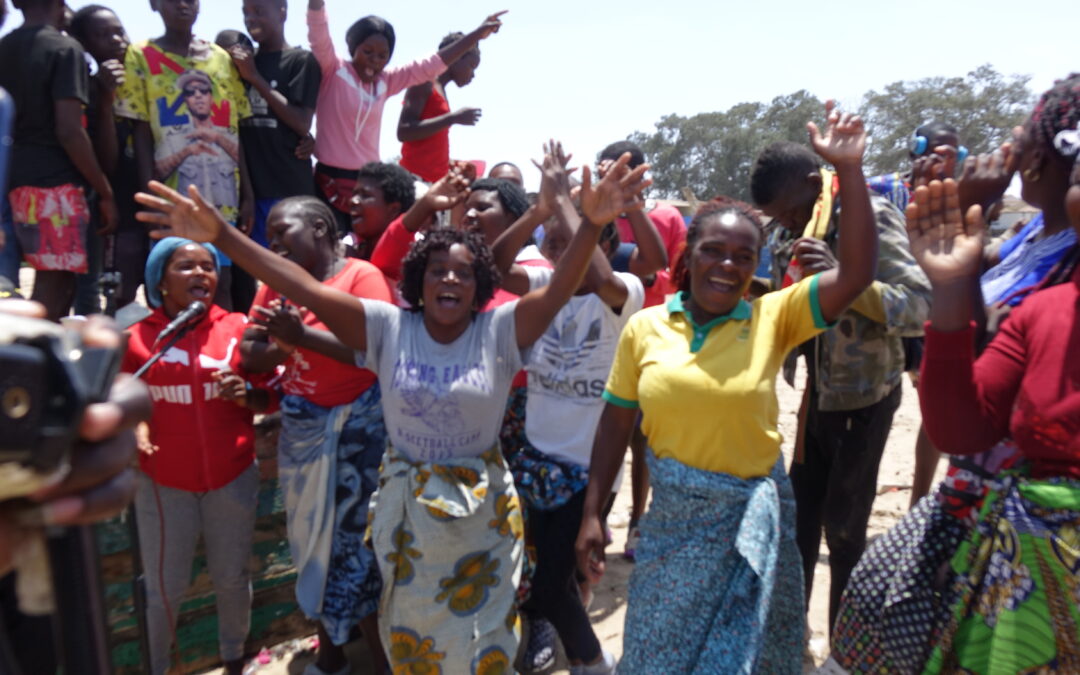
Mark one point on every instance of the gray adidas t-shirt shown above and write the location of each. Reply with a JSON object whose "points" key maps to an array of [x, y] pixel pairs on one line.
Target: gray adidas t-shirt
{"points": [[441, 401]]}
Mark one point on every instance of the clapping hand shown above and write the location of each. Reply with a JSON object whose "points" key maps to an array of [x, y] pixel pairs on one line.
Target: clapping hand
{"points": [[938, 165], [617, 192], [985, 177], [282, 323], [946, 243], [554, 178], [844, 140], [231, 387], [450, 190], [179, 216]]}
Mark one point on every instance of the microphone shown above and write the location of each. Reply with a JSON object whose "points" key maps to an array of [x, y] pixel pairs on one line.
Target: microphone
{"points": [[190, 314]]}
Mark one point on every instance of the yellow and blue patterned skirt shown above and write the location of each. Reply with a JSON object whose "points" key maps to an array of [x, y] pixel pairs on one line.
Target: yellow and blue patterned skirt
{"points": [[448, 538]]}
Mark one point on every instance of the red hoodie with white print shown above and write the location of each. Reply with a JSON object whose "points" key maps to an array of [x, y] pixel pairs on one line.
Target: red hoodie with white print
{"points": [[204, 442]]}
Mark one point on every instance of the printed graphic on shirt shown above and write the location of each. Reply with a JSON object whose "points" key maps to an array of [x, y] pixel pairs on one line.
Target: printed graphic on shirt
{"points": [[567, 364], [430, 393], [193, 105]]}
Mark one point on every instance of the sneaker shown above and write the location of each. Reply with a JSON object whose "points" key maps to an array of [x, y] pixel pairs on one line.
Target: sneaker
{"points": [[607, 665], [540, 649], [632, 540]]}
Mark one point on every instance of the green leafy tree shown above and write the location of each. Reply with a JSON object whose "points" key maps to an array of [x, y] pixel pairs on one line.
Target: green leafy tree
{"points": [[713, 153], [984, 106]]}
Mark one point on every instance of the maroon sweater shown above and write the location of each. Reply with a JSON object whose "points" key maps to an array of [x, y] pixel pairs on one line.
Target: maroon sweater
{"points": [[1025, 385]]}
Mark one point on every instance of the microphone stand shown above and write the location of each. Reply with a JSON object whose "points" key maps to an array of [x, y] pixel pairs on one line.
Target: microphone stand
{"points": [[161, 352]]}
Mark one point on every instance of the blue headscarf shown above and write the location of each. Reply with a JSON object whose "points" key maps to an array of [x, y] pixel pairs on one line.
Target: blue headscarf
{"points": [[159, 256]]}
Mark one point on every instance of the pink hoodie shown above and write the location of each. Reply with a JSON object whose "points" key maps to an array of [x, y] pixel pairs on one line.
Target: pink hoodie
{"points": [[349, 113]]}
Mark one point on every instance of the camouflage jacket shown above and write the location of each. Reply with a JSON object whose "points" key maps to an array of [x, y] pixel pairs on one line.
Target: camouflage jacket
{"points": [[860, 360]]}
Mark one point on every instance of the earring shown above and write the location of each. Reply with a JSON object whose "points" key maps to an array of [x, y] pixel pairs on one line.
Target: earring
{"points": [[164, 292], [421, 303], [1032, 175]]}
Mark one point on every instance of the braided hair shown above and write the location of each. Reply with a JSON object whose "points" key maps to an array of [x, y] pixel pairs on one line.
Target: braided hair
{"points": [[1056, 114], [718, 206]]}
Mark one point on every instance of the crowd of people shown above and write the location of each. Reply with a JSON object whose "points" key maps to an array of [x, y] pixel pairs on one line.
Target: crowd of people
{"points": [[460, 366]]}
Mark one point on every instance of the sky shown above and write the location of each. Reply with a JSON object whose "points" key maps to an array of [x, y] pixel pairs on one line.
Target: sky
{"points": [[592, 72]]}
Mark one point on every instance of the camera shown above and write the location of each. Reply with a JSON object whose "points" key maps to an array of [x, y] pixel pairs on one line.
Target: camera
{"points": [[47, 378]]}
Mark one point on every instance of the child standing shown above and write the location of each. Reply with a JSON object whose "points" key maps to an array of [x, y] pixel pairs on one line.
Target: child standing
{"points": [[424, 126], [354, 91], [282, 88], [188, 100], [52, 158]]}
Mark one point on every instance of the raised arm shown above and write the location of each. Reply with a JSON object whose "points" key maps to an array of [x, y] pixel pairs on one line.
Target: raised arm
{"points": [[192, 218], [650, 256], [619, 191], [843, 145], [455, 50]]}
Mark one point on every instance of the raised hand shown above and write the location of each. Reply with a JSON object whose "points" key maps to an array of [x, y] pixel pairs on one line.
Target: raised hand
{"points": [[554, 177], [618, 192], [492, 24], [179, 216], [450, 190], [945, 243], [844, 140], [938, 165], [985, 177]]}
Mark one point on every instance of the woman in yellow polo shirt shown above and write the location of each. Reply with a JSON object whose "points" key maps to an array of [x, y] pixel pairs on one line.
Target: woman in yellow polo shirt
{"points": [[718, 586]]}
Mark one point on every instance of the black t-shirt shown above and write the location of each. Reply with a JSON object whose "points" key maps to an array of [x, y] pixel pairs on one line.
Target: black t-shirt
{"points": [[41, 66], [269, 144]]}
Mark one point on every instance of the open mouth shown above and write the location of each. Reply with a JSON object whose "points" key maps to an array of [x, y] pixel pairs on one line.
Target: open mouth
{"points": [[448, 300], [722, 285], [199, 292]]}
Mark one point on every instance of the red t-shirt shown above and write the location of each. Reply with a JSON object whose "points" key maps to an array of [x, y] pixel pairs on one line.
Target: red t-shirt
{"points": [[204, 442], [318, 378], [1025, 384], [429, 157], [669, 223]]}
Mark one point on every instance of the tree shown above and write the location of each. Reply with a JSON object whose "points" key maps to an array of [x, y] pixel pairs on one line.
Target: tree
{"points": [[713, 153], [984, 106]]}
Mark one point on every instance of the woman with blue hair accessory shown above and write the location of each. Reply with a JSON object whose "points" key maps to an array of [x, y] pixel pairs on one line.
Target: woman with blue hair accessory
{"points": [[197, 454]]}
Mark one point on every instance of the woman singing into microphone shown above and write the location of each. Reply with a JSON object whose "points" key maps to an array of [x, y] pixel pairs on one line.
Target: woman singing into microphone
{"points": [[198, 451]]}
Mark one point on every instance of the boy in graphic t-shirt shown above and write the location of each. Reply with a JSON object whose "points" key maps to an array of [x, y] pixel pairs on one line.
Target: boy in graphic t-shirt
{"points": [[188, 101], [282, 85], [52, 159]]}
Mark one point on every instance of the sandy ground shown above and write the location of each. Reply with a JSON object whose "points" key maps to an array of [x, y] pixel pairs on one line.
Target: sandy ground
{"points": [[609, 607]]}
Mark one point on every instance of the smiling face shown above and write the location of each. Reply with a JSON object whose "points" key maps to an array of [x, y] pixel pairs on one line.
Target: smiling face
{"points": [[105, 36], [291, 237], [189, 275], [450, 287], [370, 57], [722, 262], [264, 19], [484, 213], [371, 214], [177, 15]]}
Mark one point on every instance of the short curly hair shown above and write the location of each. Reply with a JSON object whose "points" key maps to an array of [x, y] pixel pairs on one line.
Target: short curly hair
{"points": [[717, 206], [415, 265], [777, 166], [397, 184]]}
